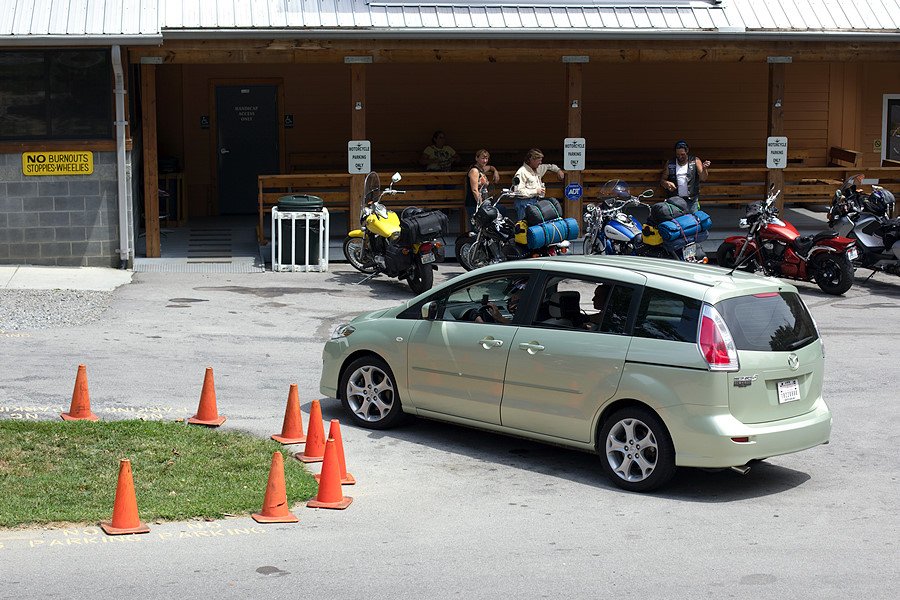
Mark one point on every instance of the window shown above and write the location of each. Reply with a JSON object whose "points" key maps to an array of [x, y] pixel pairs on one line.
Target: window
{"points": [[769, 322], [891, 144], [471, 302], [667, 316], [589, 304], [56, 94]]}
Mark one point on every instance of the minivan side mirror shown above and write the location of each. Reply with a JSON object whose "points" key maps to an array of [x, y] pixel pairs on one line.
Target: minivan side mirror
{"points": [[429, 310]]}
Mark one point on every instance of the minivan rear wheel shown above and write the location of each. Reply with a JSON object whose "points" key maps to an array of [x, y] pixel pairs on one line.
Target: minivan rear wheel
{"points": [[636, 450]]}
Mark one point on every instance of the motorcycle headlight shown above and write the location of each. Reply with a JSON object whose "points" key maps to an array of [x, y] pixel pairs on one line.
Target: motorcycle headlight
{"points": [[590, 208], [394, 237], [342, 331], [744, 224]]}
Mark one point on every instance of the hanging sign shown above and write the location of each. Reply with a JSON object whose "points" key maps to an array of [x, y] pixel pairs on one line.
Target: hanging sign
{"points": [[776, 152], [574, 154], [359, 157]]}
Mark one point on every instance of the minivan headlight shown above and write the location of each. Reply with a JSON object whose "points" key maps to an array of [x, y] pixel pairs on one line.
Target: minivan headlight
{"points": [[342, 331]]}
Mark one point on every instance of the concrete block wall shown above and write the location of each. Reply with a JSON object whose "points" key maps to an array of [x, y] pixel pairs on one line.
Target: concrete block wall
{"points": [[68, 220]]}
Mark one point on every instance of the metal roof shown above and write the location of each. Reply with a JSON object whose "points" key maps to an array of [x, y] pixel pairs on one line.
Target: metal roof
{"points": [[151, 21]]}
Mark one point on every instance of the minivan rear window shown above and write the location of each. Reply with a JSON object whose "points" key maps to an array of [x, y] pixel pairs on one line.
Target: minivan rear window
{"points": [[768, 322]]}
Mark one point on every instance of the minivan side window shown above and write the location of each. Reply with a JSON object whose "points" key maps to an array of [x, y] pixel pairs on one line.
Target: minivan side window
{"points": [[667, 316]]}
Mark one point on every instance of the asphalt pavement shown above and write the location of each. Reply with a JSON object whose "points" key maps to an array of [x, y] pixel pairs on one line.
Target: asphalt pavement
{"points": [[442, 511]]}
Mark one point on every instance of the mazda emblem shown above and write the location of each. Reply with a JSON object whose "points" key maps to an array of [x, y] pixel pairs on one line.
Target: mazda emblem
{"points": [[793, 362]]}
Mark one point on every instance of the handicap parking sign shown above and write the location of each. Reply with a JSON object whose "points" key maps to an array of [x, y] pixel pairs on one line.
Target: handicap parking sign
{"points": [[574, 191]]}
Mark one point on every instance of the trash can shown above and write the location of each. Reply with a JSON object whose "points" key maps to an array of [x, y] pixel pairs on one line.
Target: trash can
{"points": [[300, 203]]}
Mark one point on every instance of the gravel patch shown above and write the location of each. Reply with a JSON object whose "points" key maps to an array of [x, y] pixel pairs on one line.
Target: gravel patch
{"points": [[48, 309]]}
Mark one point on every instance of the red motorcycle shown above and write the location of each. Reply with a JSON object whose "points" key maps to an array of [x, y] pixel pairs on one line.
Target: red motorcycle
{"points": [[778, 250]]}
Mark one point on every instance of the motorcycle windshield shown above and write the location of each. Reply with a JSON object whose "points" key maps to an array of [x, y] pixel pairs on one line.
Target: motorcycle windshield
{"points": [[614, 189]]}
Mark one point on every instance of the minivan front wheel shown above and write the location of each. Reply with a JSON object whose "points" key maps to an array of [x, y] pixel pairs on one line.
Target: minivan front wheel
{"points": [[636, 450]]}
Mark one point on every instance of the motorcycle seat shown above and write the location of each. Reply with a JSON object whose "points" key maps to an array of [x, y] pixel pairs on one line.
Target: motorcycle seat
{"points": [[803, 243]]}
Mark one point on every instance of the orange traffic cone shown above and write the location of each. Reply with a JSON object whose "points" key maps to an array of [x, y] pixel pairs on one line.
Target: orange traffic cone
{"points": [[275, 509], [207, 414], [125, 512], [315, 437], [335, 432], [330, 494], [80, 408], [292, 428]]}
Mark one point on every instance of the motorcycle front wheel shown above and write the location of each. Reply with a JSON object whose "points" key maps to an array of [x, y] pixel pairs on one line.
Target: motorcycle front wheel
{"points": [[834, 273], [422, 277], [725, 257], [354, 249], [478, 255], [462, 253]]}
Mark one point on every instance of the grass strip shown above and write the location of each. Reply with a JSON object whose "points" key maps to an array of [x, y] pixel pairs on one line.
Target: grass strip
{"points": [[66, 472]]}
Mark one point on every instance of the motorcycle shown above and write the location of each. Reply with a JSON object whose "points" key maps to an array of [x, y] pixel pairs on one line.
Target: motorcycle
{"points": [[865, 218], [777, 248], [405, 247], [610, 230], [496, 238]]}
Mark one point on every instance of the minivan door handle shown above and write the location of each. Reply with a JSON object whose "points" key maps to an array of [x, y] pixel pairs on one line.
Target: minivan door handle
{"points": [[531, 347], [490, 342]]}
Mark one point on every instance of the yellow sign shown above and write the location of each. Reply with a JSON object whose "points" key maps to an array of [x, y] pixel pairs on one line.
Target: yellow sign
{"points": [[58, 163]]}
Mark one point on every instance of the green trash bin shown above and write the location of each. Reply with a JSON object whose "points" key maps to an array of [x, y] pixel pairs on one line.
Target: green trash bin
{"points": [[300, 203]]}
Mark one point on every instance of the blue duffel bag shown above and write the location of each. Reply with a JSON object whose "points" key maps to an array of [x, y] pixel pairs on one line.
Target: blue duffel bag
{"points": [[551, 232], [685, 227], [679, 243]]}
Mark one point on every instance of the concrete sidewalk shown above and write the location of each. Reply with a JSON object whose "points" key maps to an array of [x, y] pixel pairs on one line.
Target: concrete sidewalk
{"points": [[28, 277]]}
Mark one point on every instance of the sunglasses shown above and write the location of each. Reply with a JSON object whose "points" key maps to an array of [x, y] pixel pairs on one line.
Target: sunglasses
{"points": [[681, 145]]}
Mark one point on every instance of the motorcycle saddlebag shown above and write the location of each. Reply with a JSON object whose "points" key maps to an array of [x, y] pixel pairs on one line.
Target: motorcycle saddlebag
{"points": [[522, 233], [551, 232], [395, 260], [890, 233], [542, 211], [650, 235], [685, 227], [672, 208], [423, 226]]}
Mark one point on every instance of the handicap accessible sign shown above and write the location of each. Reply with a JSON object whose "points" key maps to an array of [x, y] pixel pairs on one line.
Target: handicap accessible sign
{"points": [[574, 191]]}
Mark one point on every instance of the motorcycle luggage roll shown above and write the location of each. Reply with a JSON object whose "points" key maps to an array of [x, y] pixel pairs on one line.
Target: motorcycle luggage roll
{"points": [[551, 232], [422, 227], [679, 243], [685, 226], [542, 211], [672, 208]]}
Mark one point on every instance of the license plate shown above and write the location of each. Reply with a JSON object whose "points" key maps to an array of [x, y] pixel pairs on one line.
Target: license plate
{"points": [[852, 253], [788, 391], [689, 252], [426, 258]]}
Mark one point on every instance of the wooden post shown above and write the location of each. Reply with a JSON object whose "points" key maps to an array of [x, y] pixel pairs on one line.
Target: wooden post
{"points": [[573, 130], [151, 168], [357, 132], [776, 125]]}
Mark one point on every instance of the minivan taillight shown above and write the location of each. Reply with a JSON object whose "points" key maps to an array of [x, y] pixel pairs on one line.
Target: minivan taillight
{"points": [[716, 344]]}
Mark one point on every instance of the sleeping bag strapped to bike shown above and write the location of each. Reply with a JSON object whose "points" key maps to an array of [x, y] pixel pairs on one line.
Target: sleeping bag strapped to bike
{"points": [[542, 211], [551, 232], [417, 225], [685, 227], [672, 208]]}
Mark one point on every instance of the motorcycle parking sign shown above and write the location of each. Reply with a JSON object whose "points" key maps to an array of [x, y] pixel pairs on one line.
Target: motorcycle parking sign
{"points": [[359, 157]]}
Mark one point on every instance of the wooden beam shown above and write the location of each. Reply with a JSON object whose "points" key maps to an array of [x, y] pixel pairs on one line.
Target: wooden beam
{"points": [[573, 129], [151, 168], [776, 123], [357, 132]]}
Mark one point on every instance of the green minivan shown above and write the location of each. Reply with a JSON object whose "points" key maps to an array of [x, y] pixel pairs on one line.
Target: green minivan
{"points": [[650, 363]]}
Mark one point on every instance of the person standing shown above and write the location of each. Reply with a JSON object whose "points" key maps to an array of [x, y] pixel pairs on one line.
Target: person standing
{"points": [[438, 156], [531, 184], [480, 173], [681, 176]]}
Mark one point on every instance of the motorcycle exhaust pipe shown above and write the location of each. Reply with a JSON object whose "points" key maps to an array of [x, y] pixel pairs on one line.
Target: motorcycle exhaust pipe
{"points": [[740, 470]]}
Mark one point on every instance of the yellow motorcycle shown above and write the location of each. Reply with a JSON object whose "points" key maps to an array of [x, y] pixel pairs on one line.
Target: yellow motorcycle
{"points": [[405, 246]]}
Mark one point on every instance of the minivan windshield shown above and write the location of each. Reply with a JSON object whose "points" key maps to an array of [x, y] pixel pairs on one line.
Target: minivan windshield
{"points": [[768, 322]]}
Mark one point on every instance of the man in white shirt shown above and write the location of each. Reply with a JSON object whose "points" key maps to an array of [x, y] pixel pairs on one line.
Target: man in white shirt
{"points": [[531, 186]]}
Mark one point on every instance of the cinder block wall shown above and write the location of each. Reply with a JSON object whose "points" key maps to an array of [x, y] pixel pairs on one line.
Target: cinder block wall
{"points": [[70, 220]]}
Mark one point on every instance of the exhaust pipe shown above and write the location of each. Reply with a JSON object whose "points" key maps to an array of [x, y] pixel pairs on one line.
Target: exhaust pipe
{"points": [[741, 470]]}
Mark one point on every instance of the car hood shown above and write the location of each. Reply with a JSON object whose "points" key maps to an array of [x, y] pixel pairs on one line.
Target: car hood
{"points": [[375, 314]]}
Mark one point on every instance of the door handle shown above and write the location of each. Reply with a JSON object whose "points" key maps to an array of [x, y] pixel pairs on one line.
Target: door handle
{"points": [[531, 347], [490, 342], [224, 150]]}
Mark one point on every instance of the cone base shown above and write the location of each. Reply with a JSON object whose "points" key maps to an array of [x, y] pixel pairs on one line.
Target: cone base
{"points": [[288, 518], [111, 530], [341, 504], [348, 480], [289, 440], [210, 422], [69, 417], [308, 459]]}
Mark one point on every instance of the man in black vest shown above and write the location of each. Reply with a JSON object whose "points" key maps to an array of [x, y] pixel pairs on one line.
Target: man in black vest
{"points": [[681, 176]]}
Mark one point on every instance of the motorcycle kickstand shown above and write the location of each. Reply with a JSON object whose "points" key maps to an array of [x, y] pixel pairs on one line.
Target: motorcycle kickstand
{"points": [[367, 278], [872, 274]]}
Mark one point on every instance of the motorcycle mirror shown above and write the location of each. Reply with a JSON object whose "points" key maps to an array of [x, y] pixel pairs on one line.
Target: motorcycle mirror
{"points": [[515, 181], [395, 178], [646, 194], [429, 310], [771, 186]]}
